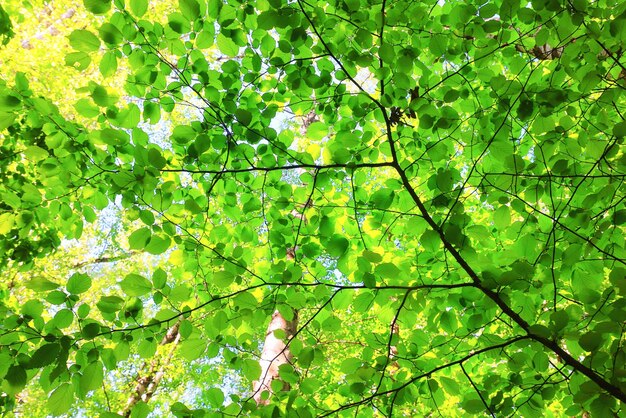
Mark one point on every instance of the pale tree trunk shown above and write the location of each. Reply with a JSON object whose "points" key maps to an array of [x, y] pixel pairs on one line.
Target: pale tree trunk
{"points": [[148, 383], [275, 353]]}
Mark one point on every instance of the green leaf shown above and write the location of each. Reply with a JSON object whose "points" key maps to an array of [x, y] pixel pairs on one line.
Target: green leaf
{"points": [[78, 283], [110, 34], [151, 112], [39, 284], [156, 159], [617, 277], [6, 120], [372, 257], [147, 348], [337, 246], [590, 341], [108, 64], [189, 8], [619, 129], [97, 7], [451, 96], [85, 108], [135, 285], [243, 116], [32, 308], [91, 330], [15, 378], [159, 278], [473, 406], [44, 355], [317, 131], [180, 410], [559, 320], [193, 348], [251, 369], [139, 7], [204, 40], [6, 27], [387, 271], [91, 378], [56, 297], [60, 401], [437, 44], [386, 53], [158, 244], [139, 238], [140, 410], [78, 60], [540, 330], [83, 40], [502, 217], [382, 199], [7, 221], [178, 23], [9, 101], [430, 240], [100, 96], [223, 278], [227, 46], [183, 134], [215, 397], [619, 217], [110, 304], [132, 308]]}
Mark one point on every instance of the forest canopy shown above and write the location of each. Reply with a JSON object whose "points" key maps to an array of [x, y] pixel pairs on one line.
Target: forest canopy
{"points": [[301, 208]]}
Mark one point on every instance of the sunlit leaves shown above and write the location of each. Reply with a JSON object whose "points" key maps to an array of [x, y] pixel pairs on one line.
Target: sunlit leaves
{"points": [[158, 244], [111, 304], [78, 283], [97, 7], [110, 34], [78, 60], [84, 40], [156, 159], [382, 199], [139, 238], [189, 8], [108, 64], [337, 245], [91, 377], [226, 45], [192, 348], [215, 397], [61, 399], [101, 96], [418, 185], [6, 27], [40, 284], [183, 134], [135, 285], [139, 7]]}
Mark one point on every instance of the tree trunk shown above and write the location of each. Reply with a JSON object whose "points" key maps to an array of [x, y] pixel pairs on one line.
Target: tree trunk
{"points": [[147, 384], [275, 353]]}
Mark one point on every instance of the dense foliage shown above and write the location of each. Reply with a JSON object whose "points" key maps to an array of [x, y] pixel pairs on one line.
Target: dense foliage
{"points": [[434, 189]]}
